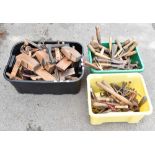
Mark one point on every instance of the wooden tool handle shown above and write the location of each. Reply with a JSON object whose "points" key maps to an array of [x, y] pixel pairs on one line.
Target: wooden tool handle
{"points": [[97, 54], [121, 98], [98, 35], [91, 65]]}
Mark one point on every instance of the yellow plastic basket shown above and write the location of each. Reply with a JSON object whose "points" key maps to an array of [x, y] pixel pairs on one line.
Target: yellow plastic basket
{"points": [[130, 117]]}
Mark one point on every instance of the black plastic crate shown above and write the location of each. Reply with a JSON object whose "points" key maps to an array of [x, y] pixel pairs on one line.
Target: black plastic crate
{"points": [[46, 87]]}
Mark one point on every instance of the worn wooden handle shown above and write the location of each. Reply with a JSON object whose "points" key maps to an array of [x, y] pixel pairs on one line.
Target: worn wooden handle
{"points": [[97, 54], [91, 65], [121, 98], [98, 35]]}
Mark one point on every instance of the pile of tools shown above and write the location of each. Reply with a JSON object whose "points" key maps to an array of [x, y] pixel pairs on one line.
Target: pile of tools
{"points": [[116, 98], [49, 62], [116, 55]]}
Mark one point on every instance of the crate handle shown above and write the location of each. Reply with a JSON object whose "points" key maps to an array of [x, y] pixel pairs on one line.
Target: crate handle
{"points": [[11, 61]]}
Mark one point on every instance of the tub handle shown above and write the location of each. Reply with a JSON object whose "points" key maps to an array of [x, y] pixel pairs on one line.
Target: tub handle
{"points": [[11, 61]]}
